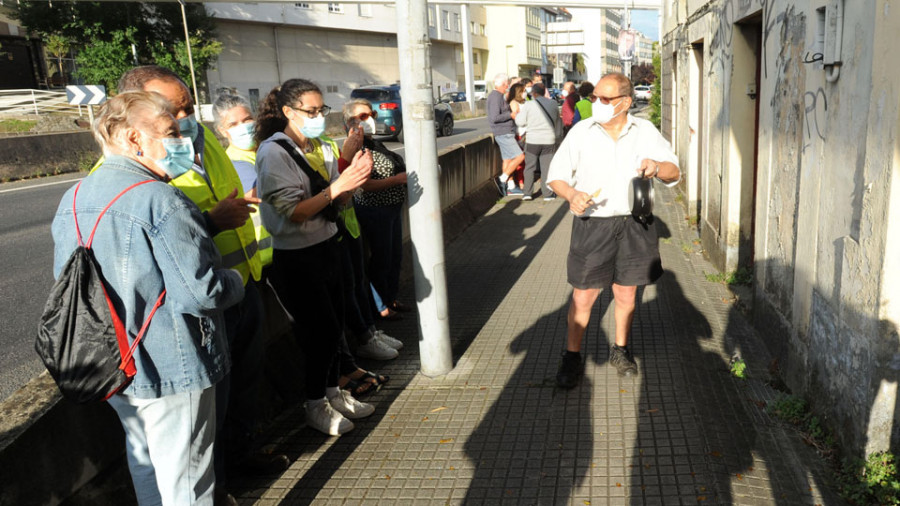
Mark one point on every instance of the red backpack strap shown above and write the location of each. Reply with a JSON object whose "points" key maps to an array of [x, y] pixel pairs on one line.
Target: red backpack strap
{"points": [[128, 357], [111, 202], [75, 215]]}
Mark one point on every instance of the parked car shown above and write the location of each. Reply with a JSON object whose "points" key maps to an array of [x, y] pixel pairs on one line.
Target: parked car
{"points": [[642, 93], [480, 90], [453, 96], [388, 110]]}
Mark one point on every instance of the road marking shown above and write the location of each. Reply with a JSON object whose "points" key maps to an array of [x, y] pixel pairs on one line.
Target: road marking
{"points": [[40, 185]]}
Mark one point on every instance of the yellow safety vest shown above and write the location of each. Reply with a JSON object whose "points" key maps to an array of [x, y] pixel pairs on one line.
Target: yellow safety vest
{"points": [[263, 238], [238, 247], [319, 160]]}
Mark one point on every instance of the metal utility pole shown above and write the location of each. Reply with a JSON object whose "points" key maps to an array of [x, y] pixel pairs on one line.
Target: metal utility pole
{"points": [[467, 57], [627, 20], [187, 40], [426, 231]]}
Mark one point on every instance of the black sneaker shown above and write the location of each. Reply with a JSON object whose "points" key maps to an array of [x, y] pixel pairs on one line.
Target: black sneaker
{"points": [[623, 361], [570, 370], [501, 186]]}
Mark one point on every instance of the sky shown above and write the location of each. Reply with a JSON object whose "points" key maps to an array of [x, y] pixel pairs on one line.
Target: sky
{"points": [[646, 22]]}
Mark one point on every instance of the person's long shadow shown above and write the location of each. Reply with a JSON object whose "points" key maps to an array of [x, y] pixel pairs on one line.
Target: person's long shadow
{"points": [[478, 279], [535, 445]]}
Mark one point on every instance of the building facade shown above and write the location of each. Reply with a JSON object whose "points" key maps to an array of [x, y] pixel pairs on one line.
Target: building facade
{"points": [[784, 116], [601, 40], [338, 46]]}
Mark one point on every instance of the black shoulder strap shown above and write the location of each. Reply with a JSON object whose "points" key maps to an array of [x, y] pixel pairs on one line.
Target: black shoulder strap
{"points": [[547, 114], [316, 180]]}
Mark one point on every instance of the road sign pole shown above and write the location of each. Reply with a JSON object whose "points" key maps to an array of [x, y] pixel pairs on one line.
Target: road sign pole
{"points": [[417, 93]]}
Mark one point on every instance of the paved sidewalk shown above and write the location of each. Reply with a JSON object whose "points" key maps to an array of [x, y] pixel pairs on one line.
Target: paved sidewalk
{"points": [[496, 430]]}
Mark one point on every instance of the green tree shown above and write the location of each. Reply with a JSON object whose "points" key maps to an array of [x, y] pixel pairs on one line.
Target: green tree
{"points": [[58, 47], [655, 108], [103, 62], [105, 32]]}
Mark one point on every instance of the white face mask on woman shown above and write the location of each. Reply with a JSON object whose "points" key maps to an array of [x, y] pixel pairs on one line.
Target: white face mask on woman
{"points": [[242, 135], [368, 126]]}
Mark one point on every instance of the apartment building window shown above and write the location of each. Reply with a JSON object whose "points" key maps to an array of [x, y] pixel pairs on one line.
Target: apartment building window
{"points": [[459, 56], [445, 19], [475, 58], [430, 16], [365, 10], [482, 30], [302, 5], [458, 22], [331, 88], [534, 48], [336, 8], [472, 27]]}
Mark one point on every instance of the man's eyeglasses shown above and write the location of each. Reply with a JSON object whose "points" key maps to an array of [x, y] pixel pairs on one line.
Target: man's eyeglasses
{"points": [[312, 113], [606, 100], [363, 116]]}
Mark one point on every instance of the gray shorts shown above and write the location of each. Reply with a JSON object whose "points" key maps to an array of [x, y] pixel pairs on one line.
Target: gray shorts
{"points": [[509, 147], [618, 250]]}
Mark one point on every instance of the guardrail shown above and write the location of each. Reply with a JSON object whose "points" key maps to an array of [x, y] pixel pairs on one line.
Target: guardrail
{"points": [[36, 102]]}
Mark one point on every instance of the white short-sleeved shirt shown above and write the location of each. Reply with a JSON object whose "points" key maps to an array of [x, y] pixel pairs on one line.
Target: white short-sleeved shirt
{"points": [[589, 159]]}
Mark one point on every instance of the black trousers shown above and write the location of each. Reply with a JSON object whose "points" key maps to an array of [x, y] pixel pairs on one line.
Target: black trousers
{"points": [[310, 285]]}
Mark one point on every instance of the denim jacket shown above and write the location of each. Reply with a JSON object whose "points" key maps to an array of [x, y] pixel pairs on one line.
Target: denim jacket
{"points": [[153, 238]]}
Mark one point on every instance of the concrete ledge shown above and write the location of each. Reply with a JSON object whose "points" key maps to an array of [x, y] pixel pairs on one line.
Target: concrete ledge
{"points": [[52, 449], [33, 155]]}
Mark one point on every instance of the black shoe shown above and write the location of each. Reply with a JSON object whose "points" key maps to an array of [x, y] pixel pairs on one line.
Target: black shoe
{"points": [[501, 186], [624, 363], [570, 370]]}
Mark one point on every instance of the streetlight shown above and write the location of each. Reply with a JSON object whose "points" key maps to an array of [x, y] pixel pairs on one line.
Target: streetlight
{"points": [[508, 73]]}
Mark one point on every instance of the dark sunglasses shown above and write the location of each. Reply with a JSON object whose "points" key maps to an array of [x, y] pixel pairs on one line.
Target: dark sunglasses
{"points": [[364, 116], [606, 100]]}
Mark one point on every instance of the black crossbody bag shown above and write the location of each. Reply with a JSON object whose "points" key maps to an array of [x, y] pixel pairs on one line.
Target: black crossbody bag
{"points": [[557, 130], [316, 181]]}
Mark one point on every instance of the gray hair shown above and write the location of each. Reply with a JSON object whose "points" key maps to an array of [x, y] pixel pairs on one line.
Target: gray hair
{"points": [[500, 79], [350, 106], [132, 109], [227, 101]]}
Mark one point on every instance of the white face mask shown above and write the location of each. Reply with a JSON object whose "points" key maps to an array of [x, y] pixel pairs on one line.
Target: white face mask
{"points": [[565, 93], [242, 135], [368, 126], [528, 90], [604, 113]]}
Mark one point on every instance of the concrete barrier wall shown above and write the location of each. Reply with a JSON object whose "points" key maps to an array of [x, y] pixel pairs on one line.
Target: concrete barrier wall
{"points": [[50, 448], [34, 155]]}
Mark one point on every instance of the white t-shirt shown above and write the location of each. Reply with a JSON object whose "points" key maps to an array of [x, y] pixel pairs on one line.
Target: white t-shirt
{"points": [[589, 159]]}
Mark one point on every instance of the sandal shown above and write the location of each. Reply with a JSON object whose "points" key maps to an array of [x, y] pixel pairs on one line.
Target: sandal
{"points": [[366, 384], [399, 306]]}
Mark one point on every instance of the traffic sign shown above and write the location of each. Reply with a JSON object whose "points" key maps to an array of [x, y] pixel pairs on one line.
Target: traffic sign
{"points": [[91, 94]]}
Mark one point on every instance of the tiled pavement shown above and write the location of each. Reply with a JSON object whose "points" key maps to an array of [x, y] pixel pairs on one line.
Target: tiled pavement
{"points": [[497, 431]]}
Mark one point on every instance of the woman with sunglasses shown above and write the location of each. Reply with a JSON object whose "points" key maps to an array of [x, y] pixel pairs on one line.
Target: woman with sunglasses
{"points": [[302, 190], [379, 207]]}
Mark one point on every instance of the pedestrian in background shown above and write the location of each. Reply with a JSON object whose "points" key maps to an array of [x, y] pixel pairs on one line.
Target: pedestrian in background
{"points": [[156, 239], [299, 184], [593, 170], [570, 95], [502, 123], [540, 120], [583, 106], [515, 97]]}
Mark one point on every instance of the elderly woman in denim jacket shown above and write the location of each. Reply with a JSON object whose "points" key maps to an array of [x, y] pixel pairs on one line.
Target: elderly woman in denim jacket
{"points": [[155, 238]]}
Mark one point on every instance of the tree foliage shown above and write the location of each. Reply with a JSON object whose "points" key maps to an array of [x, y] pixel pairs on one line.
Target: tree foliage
{"points": [[105, 32], [643, 74], [655, 103]]}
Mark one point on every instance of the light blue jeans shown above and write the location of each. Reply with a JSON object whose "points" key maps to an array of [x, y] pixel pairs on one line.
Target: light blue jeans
{"points": [[169, 443]]}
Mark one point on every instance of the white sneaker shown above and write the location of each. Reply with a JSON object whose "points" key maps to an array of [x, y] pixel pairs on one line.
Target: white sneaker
{"points": [[345, 404], [376, 349], [393, 342], [322, 417]]}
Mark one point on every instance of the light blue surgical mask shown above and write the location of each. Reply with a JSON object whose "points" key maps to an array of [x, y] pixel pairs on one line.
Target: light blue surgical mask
{"points": [[242, 135], [179, 156], [313, 127], [188, 127]]}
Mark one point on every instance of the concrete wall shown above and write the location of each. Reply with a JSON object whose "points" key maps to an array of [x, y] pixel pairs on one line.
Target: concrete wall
{"points": [[805, 197], [44, 436], [33, 155]]}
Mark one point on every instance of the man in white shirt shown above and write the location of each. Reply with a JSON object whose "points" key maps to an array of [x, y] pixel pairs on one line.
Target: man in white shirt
{"points": [[592, 170]]}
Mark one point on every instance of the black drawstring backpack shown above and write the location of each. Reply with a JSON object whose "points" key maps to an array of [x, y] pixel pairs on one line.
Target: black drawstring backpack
{"points": [[81, 340]]}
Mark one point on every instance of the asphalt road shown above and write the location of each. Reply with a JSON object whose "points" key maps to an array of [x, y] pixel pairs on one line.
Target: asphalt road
{"points": [[26, 248]]}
